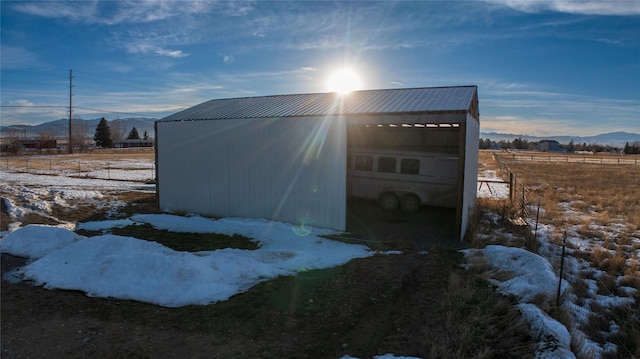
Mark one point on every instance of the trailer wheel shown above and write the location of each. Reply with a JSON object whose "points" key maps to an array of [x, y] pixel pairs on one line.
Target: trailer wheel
{"points": [[409, 204], [389, 201]]}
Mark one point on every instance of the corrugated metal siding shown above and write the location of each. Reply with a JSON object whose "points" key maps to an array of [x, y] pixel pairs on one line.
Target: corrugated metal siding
{"points": [[470, 186], [283, 157], [193, 164], [417, 100], [287, 169]]}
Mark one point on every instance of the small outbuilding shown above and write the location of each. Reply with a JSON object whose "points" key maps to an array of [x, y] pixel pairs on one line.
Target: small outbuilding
{"points": [[133, 143], [288, 157], [548, 146]]}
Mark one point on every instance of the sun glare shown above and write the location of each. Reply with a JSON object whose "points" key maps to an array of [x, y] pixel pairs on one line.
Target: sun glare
{"points": [[344, 81]]}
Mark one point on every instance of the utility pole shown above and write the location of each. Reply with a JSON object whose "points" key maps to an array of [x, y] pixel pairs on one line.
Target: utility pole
{"points": [[70, 112]]}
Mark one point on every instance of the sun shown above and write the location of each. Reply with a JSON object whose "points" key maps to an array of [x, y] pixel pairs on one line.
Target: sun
{"points": [[344, 81]]}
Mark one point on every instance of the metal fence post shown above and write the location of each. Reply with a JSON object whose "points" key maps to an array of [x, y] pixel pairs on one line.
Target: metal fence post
{"points": [[524, 201], [535, 233], [564, 245]]}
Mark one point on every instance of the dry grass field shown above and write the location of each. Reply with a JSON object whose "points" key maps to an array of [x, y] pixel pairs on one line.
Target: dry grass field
{"points": [[80, 163], [418, 304], [424, 305], [598, 207]]}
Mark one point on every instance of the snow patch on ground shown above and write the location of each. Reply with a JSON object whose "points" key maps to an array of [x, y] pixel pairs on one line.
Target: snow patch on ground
{"points": [[532, 275], [128, 268], [42, 240], [528, 277], [553, 338]]}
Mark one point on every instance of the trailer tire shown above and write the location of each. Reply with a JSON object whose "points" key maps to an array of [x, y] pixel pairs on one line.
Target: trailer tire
{"points": [[388, 201], [409, 203]]}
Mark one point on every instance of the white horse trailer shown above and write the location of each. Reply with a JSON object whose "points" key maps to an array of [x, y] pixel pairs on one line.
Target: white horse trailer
{"points": [[405, 179]]}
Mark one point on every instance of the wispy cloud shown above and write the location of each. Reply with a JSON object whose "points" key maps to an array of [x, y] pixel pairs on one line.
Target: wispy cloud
{"points": [[146, 48], [585, 7], [80, 11], [120, 67], [548, 126], [546, 113], [23, 103], [116, 12], [529, 126], [14, 57]]}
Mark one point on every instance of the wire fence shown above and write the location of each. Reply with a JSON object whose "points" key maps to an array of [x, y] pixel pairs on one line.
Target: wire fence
{"points": [[518, 191], [577, 158], [116, 170]]}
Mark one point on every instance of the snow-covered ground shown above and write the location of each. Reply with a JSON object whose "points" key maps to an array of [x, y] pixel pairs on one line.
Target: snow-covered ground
{"points": [[581, 296], [113, 266], [125, 267], [489, 188], [583, 307]]}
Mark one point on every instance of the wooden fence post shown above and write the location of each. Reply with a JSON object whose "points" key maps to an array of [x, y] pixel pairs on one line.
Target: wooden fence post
{"points": [[523, 204], [511, 186]]}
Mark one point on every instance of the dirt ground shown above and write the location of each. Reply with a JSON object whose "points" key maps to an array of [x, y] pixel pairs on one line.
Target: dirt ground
{"points": [[397, 304]]}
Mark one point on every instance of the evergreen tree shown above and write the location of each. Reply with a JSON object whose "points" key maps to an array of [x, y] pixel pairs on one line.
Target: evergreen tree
{"points": [[631, 149], [145, 136], [485, 144], [133, 134], [103, 134]]}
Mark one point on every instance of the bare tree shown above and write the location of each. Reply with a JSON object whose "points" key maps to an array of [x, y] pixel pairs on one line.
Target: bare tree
{"points": [[118, 130], [45, 140], [80, 134], [11, 140]]}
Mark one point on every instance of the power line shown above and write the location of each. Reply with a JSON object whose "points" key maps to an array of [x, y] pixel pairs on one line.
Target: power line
{"points": [[70, 111], [119, 112], [55, 106], [78, 107]]}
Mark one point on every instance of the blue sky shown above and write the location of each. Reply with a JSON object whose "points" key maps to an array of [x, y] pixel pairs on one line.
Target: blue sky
{"points": [[562, 67]]}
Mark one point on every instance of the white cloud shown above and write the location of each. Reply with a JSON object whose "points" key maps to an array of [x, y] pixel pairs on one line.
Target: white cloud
{"points": [[521, 108], [145, 48], [171, 53], [18, 58], [116, 12], [585, 7], [77, 11], [24, 103], [228, 59]]}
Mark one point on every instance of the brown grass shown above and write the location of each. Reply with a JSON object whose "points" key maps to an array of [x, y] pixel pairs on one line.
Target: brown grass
{"points": [[77, 162], [608, 192], [599, 203], [497, 325], [424, 305]]}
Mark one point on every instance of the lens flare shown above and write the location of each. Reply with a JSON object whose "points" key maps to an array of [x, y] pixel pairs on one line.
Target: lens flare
{"points": [[344, 81]]}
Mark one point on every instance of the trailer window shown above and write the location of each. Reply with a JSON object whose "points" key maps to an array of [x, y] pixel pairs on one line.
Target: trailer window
{"points": [[387, 164], [364, 163], [409, 166]]}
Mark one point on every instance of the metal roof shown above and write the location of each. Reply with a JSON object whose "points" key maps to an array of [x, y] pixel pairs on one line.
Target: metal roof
{"points": [[412, 100]]}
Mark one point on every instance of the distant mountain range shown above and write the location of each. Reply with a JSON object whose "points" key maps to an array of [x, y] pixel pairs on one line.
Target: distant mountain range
{"points": [[60, 128], [616, 139]]}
